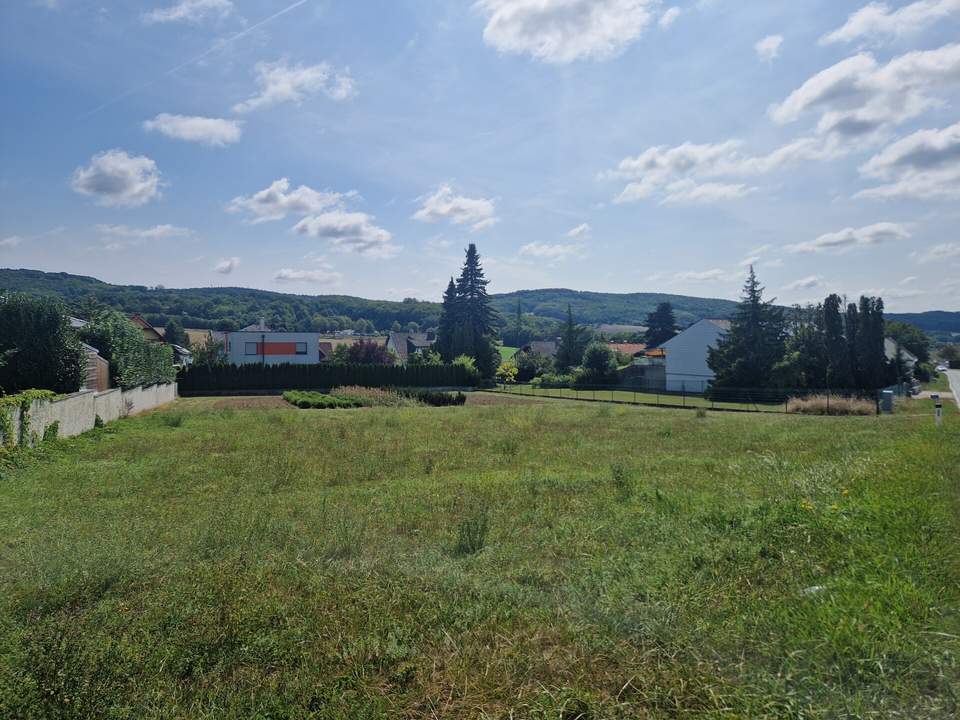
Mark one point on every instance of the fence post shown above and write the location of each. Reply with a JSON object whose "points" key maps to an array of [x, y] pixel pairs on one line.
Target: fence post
{"points": [[684, 391]]}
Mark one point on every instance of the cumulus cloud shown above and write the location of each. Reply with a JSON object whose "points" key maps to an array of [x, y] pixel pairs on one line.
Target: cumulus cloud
{"points": [[551, 251], [702, 276], [669, 17], [209, 131], [937, 253], [582, 230], [10, 242], [191, 11], [115, 178], [478, 213], [806, 283], [768, 49], [561, 31], [859, 97], [326, 277], [654, 171], [925, 164], [853, 237], [281, 82], [227, 265], [349, 232], [278, 201], [878, 20]]}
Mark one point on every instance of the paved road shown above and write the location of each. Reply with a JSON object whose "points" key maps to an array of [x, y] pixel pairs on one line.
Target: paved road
{"points": [[954, 377]]}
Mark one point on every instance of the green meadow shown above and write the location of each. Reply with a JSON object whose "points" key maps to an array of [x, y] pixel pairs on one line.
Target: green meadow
{"points": [[505, 559]]}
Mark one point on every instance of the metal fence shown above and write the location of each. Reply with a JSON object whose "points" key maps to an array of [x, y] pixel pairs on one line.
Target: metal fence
{"points": [[771, 400]]}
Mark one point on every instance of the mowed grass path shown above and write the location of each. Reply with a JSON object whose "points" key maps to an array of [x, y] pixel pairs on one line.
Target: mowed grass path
{"points": [[282, 563]]}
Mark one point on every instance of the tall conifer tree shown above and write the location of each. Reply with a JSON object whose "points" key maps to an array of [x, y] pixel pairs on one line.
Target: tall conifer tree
{"points": [[746, 355]]}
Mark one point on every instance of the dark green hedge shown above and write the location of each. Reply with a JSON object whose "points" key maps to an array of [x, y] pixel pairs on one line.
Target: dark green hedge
{"points": [[307, 377]]}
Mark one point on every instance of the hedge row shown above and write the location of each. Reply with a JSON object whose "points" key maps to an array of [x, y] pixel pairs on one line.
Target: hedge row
{"points": [[307, 377]]}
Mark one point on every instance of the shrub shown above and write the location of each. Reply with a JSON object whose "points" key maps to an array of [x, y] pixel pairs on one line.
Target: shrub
{"points": [[472, 532], [373, 397], [319, 401], [553, 380], [831, 405], [530, 365], [701, 412], [435, 398], [507, 373], [51, 431], [38, 348], [172, 419], [133, 360]]}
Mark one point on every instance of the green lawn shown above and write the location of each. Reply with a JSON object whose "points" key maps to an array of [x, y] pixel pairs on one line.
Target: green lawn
{"points": [[215, 562], [940, 382], [507, 352]]}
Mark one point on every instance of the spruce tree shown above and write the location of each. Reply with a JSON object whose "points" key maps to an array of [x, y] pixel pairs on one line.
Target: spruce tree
{"points": [[852, 326], [871, 354], [661, 325], [572, 344], [835, 345], [746, 355], [448, 323]]}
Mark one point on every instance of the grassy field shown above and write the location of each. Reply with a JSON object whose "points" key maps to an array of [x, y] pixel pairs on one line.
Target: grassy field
{"points": [[240, 559], [507, 352]]}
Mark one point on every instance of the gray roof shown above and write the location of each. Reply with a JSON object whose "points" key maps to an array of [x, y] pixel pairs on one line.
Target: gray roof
{"points": [[542, 347], [406, 343]]}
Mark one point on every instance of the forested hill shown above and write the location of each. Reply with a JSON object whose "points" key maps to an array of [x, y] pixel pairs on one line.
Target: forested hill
{"points": [[236, 307], [595, 308]]}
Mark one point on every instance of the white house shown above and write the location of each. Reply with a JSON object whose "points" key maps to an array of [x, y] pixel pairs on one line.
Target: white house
{"points": [[686, 355], [273, 348]]}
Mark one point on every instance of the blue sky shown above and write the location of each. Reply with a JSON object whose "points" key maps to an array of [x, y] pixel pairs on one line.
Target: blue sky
{"points": [[357, 147]]}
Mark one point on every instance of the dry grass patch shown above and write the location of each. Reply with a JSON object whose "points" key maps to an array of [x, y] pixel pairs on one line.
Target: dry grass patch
{"points": [[831, 405]]}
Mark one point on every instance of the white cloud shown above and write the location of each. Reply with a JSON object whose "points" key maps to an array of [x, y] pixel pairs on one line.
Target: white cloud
{"points": [[654, 170], [909, 279], [280, 82], [704, 276], [313, 277], [925, 164], [227, 265], [768, 49], [806, 283], [551, 251], [117, 237], [944, 251], [349, 232], [561, 31], [115, 178], [10, 242], [669, 17], [853, 237], [48, 4], [209, 131], [583, 230], [859, 97], [478, 213], [278, 201], [191, 11], [878, 20], [688, 192]]}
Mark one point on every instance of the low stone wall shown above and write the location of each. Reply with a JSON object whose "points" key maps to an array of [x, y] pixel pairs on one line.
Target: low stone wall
{"points": [[78, 412]]}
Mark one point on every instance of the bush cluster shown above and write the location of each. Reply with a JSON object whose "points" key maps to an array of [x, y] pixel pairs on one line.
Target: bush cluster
{"points": [[434, 398], [319, 401]]}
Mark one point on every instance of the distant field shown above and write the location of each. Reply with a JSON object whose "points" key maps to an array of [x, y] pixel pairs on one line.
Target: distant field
{"points": [[235, 558], [507, 352]]}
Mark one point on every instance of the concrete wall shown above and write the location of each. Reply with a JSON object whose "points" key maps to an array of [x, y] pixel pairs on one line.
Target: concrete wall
{"points": [[78, 412]]}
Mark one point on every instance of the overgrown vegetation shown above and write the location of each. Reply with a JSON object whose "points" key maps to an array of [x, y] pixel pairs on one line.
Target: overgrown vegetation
{"points": [[831, 405], [305, 399], [291, 564], [38, 349], [133, 360]]}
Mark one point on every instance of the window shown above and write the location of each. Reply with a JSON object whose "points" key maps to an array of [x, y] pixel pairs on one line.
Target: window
{"points": [[250, 349], [301, 348]]}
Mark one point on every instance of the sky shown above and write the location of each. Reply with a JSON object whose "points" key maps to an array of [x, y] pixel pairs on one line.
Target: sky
{"points": [[324, 146]]}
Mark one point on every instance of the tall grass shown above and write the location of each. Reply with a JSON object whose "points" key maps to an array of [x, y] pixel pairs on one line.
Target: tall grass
{"points": [[831, 405], [527, 561]]}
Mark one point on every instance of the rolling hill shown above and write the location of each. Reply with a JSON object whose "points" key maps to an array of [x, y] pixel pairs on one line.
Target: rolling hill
{"points": [[234, 307]]}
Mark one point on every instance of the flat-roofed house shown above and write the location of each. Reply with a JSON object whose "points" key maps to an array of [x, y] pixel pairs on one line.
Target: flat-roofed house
{"points": [[273, 348]]}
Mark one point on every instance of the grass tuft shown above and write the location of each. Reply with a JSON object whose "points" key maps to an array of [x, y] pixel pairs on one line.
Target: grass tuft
{"points": [[472, 532]]}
